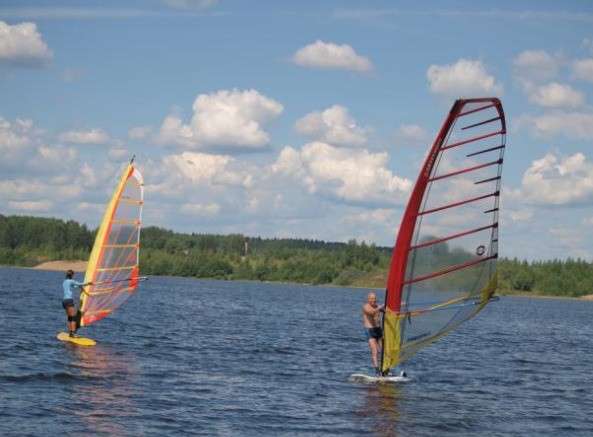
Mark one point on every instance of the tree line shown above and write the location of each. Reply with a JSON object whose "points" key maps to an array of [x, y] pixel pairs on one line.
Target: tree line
{"points": [[28, 241]]}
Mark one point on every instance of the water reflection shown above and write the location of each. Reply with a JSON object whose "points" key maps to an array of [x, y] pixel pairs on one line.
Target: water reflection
{"points": [[107, 389], [381, 406]]}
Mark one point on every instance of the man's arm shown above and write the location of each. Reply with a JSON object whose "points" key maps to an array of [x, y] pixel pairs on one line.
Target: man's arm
{"points": [[372, 312]]}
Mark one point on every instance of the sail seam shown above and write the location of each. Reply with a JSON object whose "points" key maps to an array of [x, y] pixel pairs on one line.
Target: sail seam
{"points": [[451, 237], [450, 269], [463, 202]]}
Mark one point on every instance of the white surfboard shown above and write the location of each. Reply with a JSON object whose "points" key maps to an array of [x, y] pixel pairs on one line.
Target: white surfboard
{"points": [[361, 377]]}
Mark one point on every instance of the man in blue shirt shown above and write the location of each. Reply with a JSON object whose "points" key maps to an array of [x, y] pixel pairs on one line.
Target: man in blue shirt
{"points": [[69, 286]]}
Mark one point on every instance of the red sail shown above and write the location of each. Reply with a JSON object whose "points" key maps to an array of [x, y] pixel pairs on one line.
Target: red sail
{"points": [[443, 268]]}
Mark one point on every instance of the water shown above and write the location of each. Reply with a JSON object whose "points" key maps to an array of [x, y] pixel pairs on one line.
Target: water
{"points": [[191, 356]]}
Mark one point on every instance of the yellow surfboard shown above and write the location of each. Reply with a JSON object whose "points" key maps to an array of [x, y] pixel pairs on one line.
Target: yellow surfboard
{"points": [[80, 341]]}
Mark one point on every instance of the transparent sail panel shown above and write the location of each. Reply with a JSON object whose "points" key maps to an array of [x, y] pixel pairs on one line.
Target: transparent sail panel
{"points": [[115, 273]]}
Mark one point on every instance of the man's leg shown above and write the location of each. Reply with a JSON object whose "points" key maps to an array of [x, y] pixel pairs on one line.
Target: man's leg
{"points": [[71, 319], [373, 347]]}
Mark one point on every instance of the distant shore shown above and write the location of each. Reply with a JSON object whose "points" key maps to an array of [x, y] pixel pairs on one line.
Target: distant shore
{"points": [[60, 265], [80, 266]]}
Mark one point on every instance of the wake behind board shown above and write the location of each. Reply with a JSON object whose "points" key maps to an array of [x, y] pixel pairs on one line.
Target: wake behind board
{"points": [[361, 377], [79, 341]]}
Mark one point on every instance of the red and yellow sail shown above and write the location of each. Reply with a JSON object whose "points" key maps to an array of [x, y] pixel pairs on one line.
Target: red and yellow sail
{"points": [[113, 264], [443, 268]]}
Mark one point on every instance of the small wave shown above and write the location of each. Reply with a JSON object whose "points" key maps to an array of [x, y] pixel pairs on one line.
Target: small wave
{"points": [[41, 376]]}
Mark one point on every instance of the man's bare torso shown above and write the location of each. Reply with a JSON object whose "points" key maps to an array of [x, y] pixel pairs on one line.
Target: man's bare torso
{"points": [[370, 317]]}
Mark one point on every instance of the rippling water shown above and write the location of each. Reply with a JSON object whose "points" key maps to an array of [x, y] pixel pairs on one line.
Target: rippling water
{"points": [[244, 358]]}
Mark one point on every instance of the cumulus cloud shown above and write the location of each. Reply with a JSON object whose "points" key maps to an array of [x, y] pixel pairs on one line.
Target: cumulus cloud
{"points": [[557, 180], [231, 119], [333, 125], [203, 168], [464, 78], [118, 153], [30, 206], [355, 176], [536, 65], [139, 132], [375, 216], [327, 55], [22, 45], [556, 95], [15, 138], [22, 147], [583, 69], [411, 134], [520, 215], [574, 125], [200, 210], [91, 136], [190, 4]]}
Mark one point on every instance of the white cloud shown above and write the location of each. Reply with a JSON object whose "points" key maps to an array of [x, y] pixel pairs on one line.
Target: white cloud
{"points": [[190, 4], [333, 125], [139, 132], [91, 136], [327, 55], [412, 134], [231, 119], [571, 240], [356, 176], [205, 168], [52, 158], [31, 206], [15, 138], [375, 216], [583, 69], [536, 65], [463, 78], [118, 153], [200, 210], [575, 125], [521, 215], [556, 95], [22, 45], [554, 180], [22, 148]]}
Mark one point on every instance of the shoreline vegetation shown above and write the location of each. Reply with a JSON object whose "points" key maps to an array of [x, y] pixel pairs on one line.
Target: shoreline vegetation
{"points": [[53, 244]]}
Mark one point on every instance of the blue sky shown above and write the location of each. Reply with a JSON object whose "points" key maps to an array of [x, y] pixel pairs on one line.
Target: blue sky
{"points": [[281, 119]]}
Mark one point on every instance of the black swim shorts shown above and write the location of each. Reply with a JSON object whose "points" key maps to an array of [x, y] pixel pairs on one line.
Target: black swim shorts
{"points": [[376, 333], [67, 303]]}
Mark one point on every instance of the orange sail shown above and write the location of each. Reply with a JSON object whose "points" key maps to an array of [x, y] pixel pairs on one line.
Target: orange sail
{"points": [[113, 264]]}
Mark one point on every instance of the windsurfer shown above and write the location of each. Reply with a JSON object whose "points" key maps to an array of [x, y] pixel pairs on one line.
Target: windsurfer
{"points": [[69, 286], [371, 319]]}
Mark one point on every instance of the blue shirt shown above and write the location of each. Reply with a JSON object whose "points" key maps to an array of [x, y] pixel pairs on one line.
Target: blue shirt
{"points": [[69, 286]]}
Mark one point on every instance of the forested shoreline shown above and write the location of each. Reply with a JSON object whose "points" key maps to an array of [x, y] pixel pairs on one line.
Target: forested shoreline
{"points": [[27, 241]]}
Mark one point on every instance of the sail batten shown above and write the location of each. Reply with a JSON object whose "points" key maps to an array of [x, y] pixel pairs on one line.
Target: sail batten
{"points": [[447, 245], [113, 265]]}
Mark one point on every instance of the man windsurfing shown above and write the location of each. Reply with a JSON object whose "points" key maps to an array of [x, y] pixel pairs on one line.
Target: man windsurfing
{"points": [[69, 286], [371, 319]]}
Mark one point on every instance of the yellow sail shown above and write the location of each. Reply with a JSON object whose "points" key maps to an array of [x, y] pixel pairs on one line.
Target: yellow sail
{"points": [[113, 264]]}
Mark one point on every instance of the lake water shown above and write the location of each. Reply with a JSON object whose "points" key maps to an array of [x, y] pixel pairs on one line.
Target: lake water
{"points": [[189, 356]]}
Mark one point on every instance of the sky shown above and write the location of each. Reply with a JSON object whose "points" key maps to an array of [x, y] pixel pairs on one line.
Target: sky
{"points": [[283, 119]]}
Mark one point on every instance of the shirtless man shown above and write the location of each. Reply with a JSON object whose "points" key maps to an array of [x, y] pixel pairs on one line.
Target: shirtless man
{"points": [[371, 319]]}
